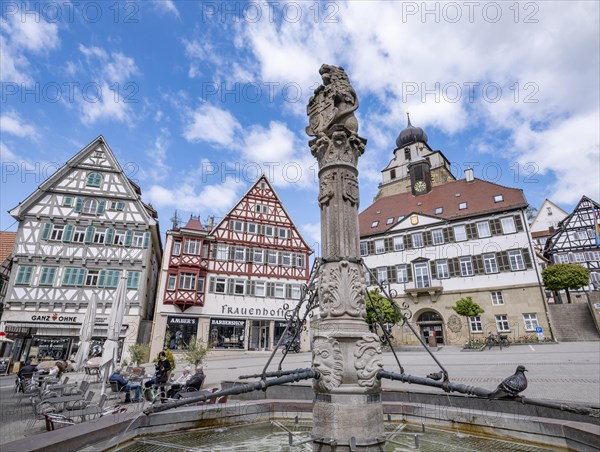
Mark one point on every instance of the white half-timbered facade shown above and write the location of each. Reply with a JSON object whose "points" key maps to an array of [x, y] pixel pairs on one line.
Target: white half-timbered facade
{"points": [[577, 240], [82, 230], [229, 284]]}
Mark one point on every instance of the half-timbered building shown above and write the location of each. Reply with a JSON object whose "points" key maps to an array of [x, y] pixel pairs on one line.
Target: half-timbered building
{"points": [[79, 233], [577, 240], [230, 284], [435, 240]]}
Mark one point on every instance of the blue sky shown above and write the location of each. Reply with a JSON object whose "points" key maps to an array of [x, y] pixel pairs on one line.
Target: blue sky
{"points": [[197, 98]]}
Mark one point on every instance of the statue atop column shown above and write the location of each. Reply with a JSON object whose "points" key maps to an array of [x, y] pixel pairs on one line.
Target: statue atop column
{"points": [[347, 406]]}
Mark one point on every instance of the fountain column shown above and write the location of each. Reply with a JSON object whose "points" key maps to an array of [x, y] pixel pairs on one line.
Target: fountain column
{"points": [[347, 410]]}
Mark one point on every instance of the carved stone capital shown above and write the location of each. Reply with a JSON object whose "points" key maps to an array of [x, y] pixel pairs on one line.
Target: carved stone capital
{"points": [[342, 290]]}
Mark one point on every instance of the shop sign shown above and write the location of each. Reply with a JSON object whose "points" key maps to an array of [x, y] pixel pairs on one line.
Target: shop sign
{"points": [[252, 312], [54, 317], [227, 322], [182, 320]]}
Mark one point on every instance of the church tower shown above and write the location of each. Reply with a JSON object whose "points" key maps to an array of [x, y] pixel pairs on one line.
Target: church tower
{"points": [[415, 167]]}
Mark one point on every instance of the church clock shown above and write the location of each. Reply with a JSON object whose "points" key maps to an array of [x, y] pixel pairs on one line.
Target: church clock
{"points": [[420, 186]]}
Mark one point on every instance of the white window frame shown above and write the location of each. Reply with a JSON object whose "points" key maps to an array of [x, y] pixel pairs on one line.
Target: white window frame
{"points": [[99, 236], [364, 249], [379, 246], [401, 273], [91, 278], [497, 298], [298, 260], [483, 229], [475, 324], [508, 225], [530, 321], [221, 281], [381, 274], [79, 235], [239, 254], [119, 237], [260, 289], [399, 243], [222, 253], [237, 226], [283, 233], [58, 230], [439, 210], [374, 224], [389, 220], [437, 236], [462, 206], [579, 257], [171, 282], [239, 286], [201, 283], [187, 281], [192, 246], [272, 257], [89, 207], [490, 264], [137, 240], [562, 258], [442, 270], [422, 276], [295, 291], [502, 324], [279, 290], [257, 256], [417, 243], [286, 259], [466, 266], [460, 233], [517, 262], [252, 228], [269, 230]]}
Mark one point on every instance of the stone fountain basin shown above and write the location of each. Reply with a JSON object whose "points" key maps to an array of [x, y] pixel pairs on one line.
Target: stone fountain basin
{"points": [[509, 420]]}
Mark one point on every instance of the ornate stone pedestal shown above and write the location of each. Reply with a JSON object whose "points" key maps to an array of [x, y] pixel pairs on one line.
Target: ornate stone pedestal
{"points": [[347, 412]]}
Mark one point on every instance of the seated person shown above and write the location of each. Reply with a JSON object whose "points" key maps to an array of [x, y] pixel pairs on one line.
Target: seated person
{"points": [[195, 382], [126, 387], [27, 370], [57, 370], [163, 371], [181, 381]]}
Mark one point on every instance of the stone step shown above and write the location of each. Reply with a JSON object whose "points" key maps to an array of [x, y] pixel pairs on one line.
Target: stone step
{"points": [[572, 322]]}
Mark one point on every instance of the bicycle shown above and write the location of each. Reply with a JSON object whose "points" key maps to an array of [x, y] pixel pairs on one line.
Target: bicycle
{"points": [[500, 340]]}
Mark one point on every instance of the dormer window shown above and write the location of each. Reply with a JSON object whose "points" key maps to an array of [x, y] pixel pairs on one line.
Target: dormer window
{"points": [[375, 224], [462, 206], [439, 210], [390, 220], [498, 198]]}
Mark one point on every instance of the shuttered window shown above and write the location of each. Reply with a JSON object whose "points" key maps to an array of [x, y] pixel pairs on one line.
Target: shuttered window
{"points": [[94, 180], [133, 279], [24, 274], [73, 276], [490, 264], [47, 276]]}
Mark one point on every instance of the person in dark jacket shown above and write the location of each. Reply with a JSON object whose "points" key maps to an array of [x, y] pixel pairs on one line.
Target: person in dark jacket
{"points": [[194, 383], [126, 387], [27, 370], [162, 374]]}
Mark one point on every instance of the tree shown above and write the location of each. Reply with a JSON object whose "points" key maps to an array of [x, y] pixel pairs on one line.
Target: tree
{"points": [[139, 353], [388, 314], [565, 277], [531, 213], [195, 352], [466, 307]]}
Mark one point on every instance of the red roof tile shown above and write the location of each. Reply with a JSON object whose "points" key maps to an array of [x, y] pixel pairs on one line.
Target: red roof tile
{"points": [[7, 241], [194, 224], [479, 196]]}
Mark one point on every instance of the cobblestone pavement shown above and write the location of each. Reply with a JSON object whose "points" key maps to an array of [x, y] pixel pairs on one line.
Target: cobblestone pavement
{"points": [[565, 372]]}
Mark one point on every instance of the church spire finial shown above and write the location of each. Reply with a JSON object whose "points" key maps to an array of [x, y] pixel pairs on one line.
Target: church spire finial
{"points": [[408, 116]]}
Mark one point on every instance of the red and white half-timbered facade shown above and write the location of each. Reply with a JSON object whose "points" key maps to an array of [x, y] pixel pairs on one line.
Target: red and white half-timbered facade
{"points": [[230, 284]]}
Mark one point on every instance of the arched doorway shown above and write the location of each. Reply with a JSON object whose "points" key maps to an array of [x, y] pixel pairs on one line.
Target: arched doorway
{"points": [[431, 324]]}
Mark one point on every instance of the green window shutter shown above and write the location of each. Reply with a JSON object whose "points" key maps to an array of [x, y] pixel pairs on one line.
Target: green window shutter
{"points": [[110, 236], [409, 273], [47, 276], [67, 277], [46, 231], [68, 201], [518, 223], [116, 277], [78, 205], [68, 234], [408, 242], [391, 274], [146, 239], [133, 279], [101, 207], [433, 269], [128, 237], [478, 268], [371, 247], [495, 227], [81, 276], [527, 258], [428, 241], [211, 284], [102, 278], [89, 235], [388, 244]]}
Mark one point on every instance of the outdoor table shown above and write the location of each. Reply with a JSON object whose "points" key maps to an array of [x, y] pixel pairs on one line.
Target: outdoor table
{"points": [[59, 401]]}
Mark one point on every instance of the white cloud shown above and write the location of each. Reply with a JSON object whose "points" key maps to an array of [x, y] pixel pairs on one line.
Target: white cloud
{"points": [[212, 125], [18, 38], [312, 233], [157, 154], [167, 6], [274, 143], [213, 199], [11, 122]]}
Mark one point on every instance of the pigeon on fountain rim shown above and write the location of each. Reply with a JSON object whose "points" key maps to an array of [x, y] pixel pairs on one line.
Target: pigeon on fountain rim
{"points": [[511, 386]]}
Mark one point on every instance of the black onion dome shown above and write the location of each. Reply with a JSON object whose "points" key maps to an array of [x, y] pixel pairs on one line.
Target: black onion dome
{"points": [[410, 135]]}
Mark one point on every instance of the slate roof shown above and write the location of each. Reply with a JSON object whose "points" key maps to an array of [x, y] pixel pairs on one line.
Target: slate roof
{"points": [[478, 194]]}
